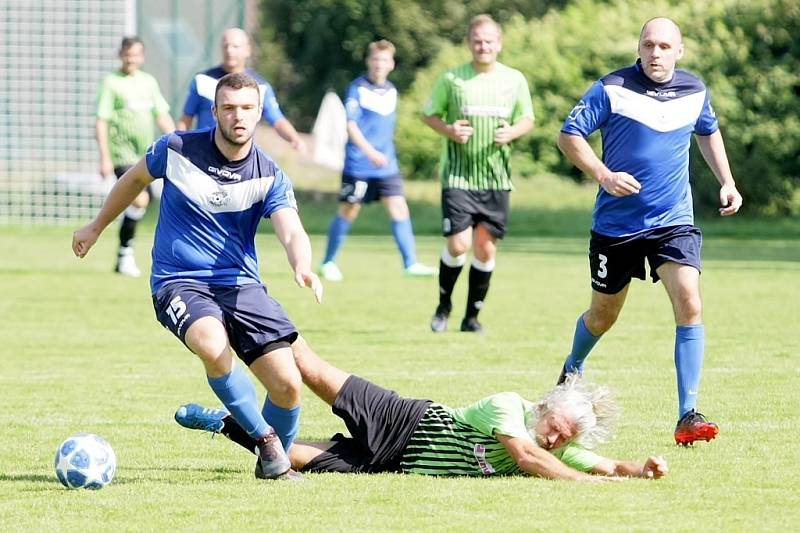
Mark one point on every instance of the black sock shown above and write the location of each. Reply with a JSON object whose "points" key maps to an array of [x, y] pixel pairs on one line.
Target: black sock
{"points": [[478, 287], [234, 432], [126, 232], [447, 280]]}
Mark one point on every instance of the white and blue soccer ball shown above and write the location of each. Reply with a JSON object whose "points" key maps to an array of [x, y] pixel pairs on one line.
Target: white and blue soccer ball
{"points": [[85, 461]]}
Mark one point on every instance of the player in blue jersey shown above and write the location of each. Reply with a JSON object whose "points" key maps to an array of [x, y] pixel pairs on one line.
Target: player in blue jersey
{"points": [[646, 114], [206, 288], [235, 46], [370, 167]]}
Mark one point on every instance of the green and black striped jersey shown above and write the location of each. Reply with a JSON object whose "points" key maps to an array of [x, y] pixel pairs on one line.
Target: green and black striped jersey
{"points": [[130, 103], [461, 442], [484, 99]]}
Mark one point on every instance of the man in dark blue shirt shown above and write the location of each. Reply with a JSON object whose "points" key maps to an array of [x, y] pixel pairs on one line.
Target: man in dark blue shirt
{"points": [[646, 114], [235, 47], [205, 283]]}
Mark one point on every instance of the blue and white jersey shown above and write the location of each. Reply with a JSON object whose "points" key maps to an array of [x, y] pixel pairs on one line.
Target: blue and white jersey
{"points": [[201, 97], [373, 108], [210, 209], [646, 130]]}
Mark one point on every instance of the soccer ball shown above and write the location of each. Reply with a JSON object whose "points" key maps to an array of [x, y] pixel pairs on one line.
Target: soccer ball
{"points": [[85, 461]]}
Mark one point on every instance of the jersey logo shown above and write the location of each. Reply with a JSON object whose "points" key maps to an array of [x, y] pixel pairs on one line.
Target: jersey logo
{"points": [[219, 198], [227, 174], [577, 110], [480, 454]]}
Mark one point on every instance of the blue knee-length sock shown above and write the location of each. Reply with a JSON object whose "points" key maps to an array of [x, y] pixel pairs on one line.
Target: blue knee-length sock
{"points": [[238, 394], [337, 232], [582, 343], [403, 234], [689, 348], [284, 421]]}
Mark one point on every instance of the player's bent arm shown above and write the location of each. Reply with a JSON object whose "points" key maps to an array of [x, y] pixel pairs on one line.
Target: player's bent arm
{"points": [[165, 123], [122, 194], [288, 133], [185, 122], [538, 462], [654, 468], [521, 127], [578, 150], [439, 126], [713, 149], [357, 137]]}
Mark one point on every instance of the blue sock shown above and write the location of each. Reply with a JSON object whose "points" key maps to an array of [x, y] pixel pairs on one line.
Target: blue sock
{"points": [[582, 343], [284, 421], [337, 232], [238, 394], [404, 237], [689, 348]]}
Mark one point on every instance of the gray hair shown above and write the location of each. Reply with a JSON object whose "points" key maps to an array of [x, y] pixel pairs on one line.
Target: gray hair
{"points": [[591, 408]]}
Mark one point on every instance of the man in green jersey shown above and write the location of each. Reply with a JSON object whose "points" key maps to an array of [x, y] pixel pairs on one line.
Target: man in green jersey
{"points": [[480, 108], [502, 434], [129, 105]]}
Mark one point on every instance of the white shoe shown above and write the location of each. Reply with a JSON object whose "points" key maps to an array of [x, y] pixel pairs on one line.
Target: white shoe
{"points": [[330, 271], [126, 263], [419, 270]]}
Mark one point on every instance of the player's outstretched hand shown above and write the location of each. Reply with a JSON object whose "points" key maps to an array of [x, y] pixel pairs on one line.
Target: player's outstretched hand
{"points": [[655, 467], [84, 239], [310, 280], [730, 200], [462, 131], [620, 184], [502, 135]]}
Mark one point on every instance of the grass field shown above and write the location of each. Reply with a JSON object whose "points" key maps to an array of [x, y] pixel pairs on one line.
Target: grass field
{"points": [[83, 352]]}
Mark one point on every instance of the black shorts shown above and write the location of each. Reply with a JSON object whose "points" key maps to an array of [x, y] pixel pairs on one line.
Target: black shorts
{"points": [[364, 191], [613, 261], [463, 209], [256, 324], [381, 423]]}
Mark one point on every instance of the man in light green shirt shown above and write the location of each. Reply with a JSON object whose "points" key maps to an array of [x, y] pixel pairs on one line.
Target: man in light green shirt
{"points": [[129, 106], [502, 434], [479, 108]]}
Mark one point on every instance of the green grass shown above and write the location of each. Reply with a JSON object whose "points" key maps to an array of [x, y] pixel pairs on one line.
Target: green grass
{"points": [[82, 352]]}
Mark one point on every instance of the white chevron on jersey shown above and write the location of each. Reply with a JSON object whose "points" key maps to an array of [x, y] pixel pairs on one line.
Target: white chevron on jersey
{"points": [[383, 103], [215, 197], [665, 116]]}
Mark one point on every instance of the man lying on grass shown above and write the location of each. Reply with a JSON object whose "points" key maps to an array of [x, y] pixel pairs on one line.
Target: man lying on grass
{"points": [[503, 434]]}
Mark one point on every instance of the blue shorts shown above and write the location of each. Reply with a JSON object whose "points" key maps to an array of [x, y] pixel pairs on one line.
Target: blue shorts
{"points": [[366, 190], [256, 324], [613, 261]]}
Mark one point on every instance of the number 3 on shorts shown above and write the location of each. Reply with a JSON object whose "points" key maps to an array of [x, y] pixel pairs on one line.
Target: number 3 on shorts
{"points": [[602, 271], [176, 309]]}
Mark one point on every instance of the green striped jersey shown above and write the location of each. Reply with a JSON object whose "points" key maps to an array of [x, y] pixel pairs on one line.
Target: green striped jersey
{"points": [[129, 103], [461, 442], [484, 99]]}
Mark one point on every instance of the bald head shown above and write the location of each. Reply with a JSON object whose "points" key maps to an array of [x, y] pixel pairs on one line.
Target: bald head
{"points": [[663, 23], [660, 47], [235, 46]]}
